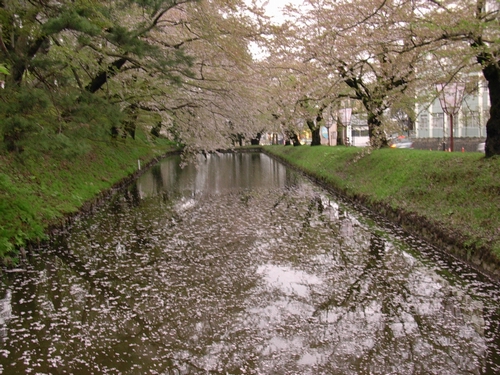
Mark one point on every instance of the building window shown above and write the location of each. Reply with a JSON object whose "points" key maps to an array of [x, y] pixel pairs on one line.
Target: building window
{"points": [[471, 119], [438, 120], [438, 123], [360, 132], [424, 121]]}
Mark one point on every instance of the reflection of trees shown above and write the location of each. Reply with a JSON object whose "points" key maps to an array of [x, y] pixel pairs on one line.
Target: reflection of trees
{"points": [[24, 302], [132, 196], [151, 303], [387, 316], [5, 313], [492, 334], [298, 211], [151, 182], [91, 304], [102, 306], [184, 294], [314, 207], [353, 296]]}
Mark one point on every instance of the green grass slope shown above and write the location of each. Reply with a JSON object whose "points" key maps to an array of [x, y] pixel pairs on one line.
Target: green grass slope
{"points": [[38, 191]]}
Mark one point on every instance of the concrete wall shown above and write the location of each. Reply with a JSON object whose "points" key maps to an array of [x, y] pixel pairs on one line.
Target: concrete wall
{"points": [[436, 144]]}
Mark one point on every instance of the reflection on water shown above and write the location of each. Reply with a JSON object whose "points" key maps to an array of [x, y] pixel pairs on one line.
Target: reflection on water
{"points": [[215, 174], [240, 266], [288, 279]]}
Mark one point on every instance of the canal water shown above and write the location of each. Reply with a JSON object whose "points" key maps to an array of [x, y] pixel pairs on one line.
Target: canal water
{"points": [[238, 265]]}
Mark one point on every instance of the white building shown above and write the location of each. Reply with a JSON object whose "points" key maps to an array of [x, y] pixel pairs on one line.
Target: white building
{"points": [[432, 122]]}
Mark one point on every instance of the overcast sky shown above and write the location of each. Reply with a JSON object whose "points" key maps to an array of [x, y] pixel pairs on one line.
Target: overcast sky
{"points": [[274, 7]]}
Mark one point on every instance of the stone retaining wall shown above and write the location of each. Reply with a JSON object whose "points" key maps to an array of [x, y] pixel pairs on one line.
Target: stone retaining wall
{"points": [[436, 144]]}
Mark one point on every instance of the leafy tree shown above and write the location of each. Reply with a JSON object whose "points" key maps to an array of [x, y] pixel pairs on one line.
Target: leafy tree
{"points": [[179, 66], [283, 91], [467, 31], [372, 48], [380, 53]]}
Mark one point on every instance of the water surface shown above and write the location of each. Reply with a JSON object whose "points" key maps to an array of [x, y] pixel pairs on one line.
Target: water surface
{"points": [[241, 266]]}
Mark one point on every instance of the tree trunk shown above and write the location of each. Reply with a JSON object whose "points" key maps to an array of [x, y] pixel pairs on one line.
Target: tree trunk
{"points": [[315, 133], [103, 75], [23, 56], [316, 137], [156, 129], [492, 74], [340, 135], [378, 138], [295, 139], [292, 136], [17, 73], [256, 141]]}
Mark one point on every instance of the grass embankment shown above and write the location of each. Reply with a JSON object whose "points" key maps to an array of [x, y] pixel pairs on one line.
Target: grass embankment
{"points": [[451, 197], [40, 191]]}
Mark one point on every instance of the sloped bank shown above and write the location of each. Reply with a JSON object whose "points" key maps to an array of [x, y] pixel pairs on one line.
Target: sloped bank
{"points": [[41, 194], [104, 195], [452, 200]]}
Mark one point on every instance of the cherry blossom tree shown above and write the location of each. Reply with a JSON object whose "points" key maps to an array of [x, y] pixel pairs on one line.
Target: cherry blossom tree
{"points": [[176, 66], [468, 32], [367, 46]]}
